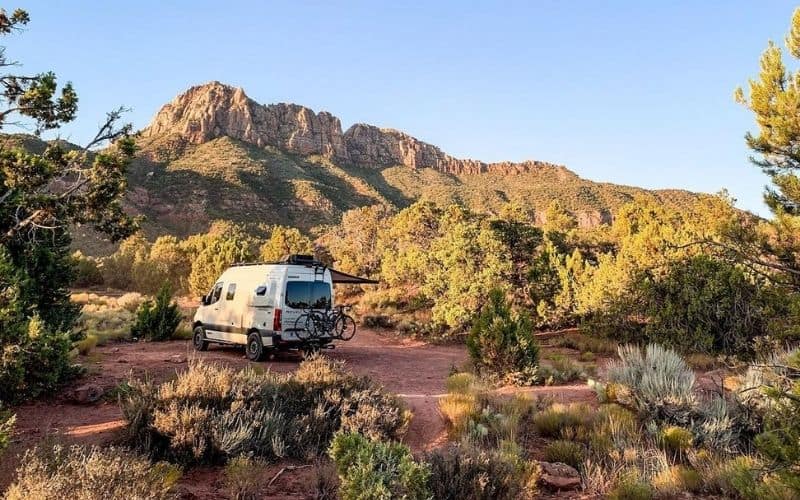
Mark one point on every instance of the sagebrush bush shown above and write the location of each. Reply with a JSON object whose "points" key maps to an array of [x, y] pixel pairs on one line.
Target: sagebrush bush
{"points": [[462, 472], [157, 320], [658, 379], [502, 343], [377, 470], [210, 413], [91, 474]]}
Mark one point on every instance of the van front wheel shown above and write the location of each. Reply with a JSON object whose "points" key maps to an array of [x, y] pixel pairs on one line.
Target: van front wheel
{"points": [[199, 339], [255, 349]]}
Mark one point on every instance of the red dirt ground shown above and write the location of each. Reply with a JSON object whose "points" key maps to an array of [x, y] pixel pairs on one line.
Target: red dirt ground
{"points": [[414, 370]]}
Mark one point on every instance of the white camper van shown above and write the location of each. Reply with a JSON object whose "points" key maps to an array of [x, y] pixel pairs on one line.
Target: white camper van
{"points": [[258, 305]]}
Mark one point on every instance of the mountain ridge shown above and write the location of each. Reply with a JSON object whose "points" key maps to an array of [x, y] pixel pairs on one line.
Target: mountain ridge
{"points": [[212, 110]]}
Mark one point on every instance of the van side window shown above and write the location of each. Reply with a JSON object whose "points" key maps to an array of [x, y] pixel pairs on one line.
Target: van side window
{"points": [[215, 294], [261, 290], [231, 291]]}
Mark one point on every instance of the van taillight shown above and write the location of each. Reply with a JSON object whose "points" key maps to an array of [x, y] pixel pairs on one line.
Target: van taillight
{"points": [[276, 320]]}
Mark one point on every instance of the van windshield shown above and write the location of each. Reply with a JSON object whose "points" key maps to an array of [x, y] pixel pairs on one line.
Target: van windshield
{"points": [[308, 294]]}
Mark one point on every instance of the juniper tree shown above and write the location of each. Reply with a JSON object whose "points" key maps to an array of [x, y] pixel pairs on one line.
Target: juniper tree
{"points": [[42, 194]]}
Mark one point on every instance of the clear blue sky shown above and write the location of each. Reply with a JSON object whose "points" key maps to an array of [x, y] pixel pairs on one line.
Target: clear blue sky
{"points": [[629, 92]]}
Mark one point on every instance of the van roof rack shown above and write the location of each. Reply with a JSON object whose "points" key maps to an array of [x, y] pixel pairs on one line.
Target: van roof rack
{"points": [[295, 259]]}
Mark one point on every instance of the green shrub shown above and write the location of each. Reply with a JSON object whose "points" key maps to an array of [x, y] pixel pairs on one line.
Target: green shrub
{"points": [[771, 394], [7, 420], [159, 320], [87, 272], [698, 305], [460, 472], [210, 413], [91, 474], [736, 477], [568, 452], [34, 359], [502, 343], [377, 470], [676, 439]]}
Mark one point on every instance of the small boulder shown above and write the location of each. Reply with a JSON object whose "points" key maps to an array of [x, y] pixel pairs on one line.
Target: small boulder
{"points": [[177, 359], [86, 394], [559, 476]]}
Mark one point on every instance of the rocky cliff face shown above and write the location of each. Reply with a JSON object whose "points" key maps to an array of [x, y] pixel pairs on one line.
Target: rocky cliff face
{"points": [[213, 110]]}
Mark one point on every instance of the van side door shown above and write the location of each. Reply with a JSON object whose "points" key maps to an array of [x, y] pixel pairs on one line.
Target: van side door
{"points": [[211, 313]]}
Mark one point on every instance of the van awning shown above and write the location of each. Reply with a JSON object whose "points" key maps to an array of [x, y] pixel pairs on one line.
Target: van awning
{"points": [[349, 279]]}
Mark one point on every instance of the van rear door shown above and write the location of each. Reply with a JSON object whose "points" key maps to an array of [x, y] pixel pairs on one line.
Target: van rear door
{"points": [[300, 295]]}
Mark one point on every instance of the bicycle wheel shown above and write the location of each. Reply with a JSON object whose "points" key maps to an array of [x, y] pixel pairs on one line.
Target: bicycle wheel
{"points": [[345, 327], [301, 327]]}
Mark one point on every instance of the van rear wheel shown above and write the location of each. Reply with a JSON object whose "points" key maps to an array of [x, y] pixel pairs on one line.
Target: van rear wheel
{"points": [[255, 349], [199, 339]]}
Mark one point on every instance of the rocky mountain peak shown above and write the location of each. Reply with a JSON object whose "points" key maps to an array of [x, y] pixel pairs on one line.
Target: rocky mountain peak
{"points": [[213, 110]]}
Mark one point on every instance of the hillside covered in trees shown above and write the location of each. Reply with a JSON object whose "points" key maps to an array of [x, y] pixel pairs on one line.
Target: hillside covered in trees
{"points": [[214, 154]]}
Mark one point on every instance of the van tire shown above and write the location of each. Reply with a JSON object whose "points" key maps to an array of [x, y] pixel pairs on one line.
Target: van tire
{"points": [[199, 338], [254, 349]]}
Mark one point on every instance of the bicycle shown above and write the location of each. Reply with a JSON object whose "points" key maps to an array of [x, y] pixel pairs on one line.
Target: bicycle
{"points": [[332, 322], [310, 325], [342, 324]]}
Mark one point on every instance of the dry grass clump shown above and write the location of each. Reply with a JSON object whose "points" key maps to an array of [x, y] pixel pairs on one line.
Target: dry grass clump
{"points": [[243, 478], [587, 343], [211, 414], [463, 472], [561, 420], [561, 370], [568, 452], [488, 461], [457, 409], [85, 345], [91, 474]]}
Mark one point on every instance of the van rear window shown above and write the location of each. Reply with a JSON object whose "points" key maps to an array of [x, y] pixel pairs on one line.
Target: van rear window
{"points": [[305, 294]]}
